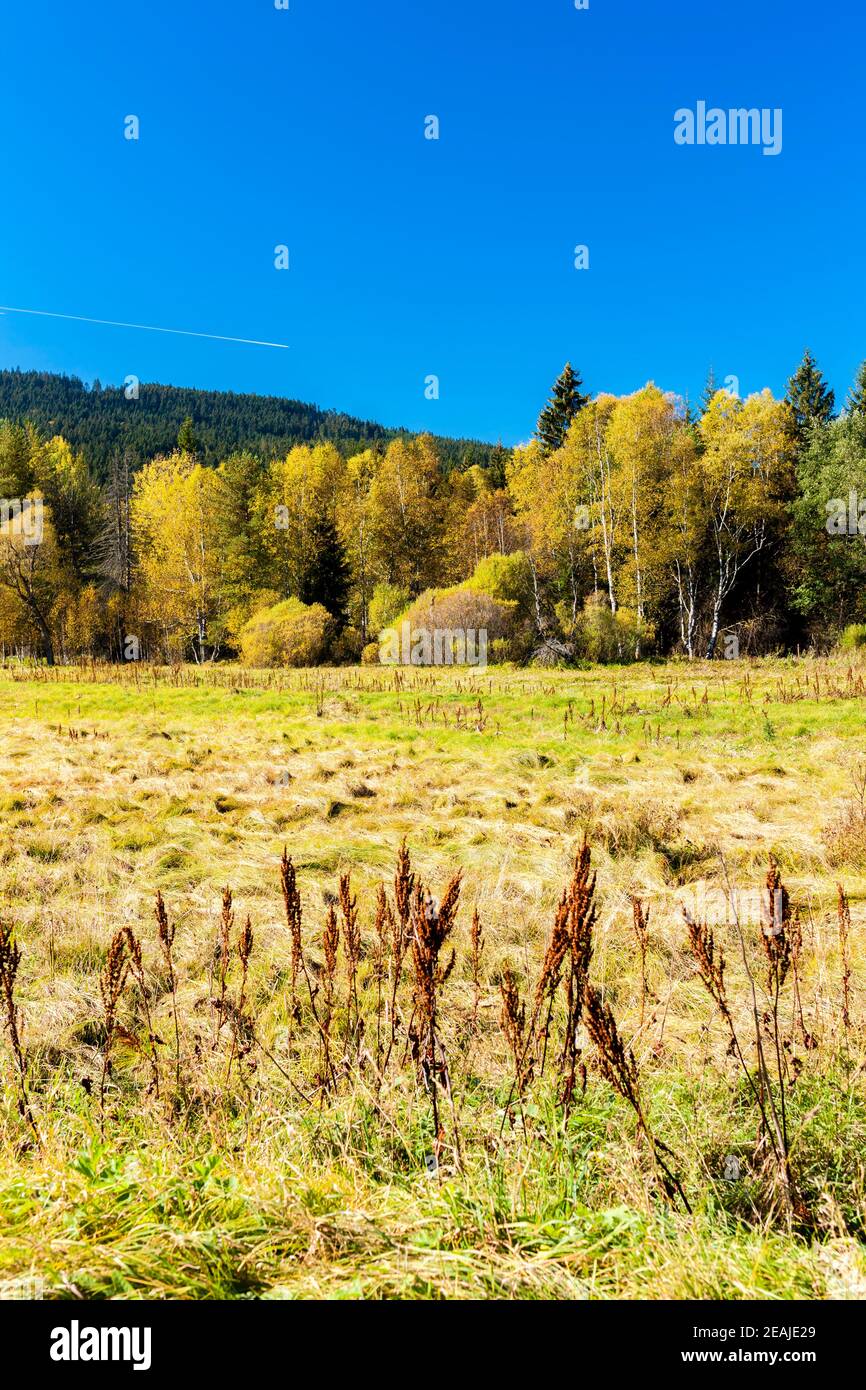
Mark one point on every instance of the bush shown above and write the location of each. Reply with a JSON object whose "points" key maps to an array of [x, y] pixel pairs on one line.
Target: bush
{"points": [[347, 647], [289, 634], [604, 636], [440, 623], [853, 637], [370, 654], [504, 577], [501, 652], [236, 619]]}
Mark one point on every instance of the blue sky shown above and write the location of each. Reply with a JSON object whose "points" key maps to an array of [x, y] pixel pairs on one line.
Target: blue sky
{"points": [[412, 257]]}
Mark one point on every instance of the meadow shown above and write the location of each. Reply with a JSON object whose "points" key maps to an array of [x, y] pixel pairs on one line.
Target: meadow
{"points": [[320, 1104]]}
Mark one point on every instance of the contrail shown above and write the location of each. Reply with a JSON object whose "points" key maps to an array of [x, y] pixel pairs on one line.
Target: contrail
{"points": [[147, 327]]}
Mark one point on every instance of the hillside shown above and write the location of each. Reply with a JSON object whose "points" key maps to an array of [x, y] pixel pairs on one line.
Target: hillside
{"points": [[99, 420]]}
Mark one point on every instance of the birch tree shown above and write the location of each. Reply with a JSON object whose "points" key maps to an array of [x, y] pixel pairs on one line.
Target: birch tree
{"points": [[747, 467], [176, 508]]}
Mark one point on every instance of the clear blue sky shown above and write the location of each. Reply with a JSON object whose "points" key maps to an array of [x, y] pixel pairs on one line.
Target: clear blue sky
{"points": [[411, 257]]}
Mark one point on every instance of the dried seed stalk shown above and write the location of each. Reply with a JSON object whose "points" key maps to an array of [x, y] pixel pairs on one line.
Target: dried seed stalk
{"points": [[477, 942], [352, 952], [776, 913], [401, 935], [241, 1025], [10, 959], [384, 936], [844, 919], [292, 900], [579, 922], [166, 933], [431, 928], [330, 947], [640, 917], [620, 1070], [780, 934], [222, 955], [513, 1023], [569, 948], [112, 983], [136, 969], [773, 1117]]}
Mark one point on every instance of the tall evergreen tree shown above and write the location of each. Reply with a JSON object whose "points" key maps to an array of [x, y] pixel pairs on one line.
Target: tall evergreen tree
{"points": [[186, 438], [557, 415], [710, 389], [809, 396], [498, 465], [856, 403], [327, 578]]}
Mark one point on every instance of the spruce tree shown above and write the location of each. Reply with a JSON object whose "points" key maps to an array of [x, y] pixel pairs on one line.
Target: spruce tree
{"points": [[856, 403], [186, 440], [497, 469], [809, 396], [710, 389], [327, 579], [557, 415]]}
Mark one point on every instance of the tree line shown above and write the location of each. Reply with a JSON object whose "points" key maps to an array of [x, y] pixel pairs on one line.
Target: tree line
{"points": [[146, 418], [628, 527]]}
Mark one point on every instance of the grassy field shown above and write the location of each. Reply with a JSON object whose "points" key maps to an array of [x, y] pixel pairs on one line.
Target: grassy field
{"points": [[254, 1172]]}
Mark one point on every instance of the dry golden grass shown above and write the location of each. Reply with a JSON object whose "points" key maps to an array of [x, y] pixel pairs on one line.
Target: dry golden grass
{"points": [[269, 1160]]}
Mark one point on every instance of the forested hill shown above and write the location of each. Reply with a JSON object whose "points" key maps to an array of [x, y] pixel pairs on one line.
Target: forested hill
{"points": [[100, 421]]}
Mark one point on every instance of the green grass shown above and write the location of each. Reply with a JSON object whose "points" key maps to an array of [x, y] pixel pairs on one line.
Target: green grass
{"points": [[187, 783]]}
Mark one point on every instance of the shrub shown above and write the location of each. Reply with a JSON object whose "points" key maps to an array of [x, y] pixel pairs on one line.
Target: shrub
{"points": [[441, 619], [289, 634], [370, 654], [504, 577], [501, 651], [85, 621], [604, 636], [236, 619], [853, 637], [347, 647]]}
